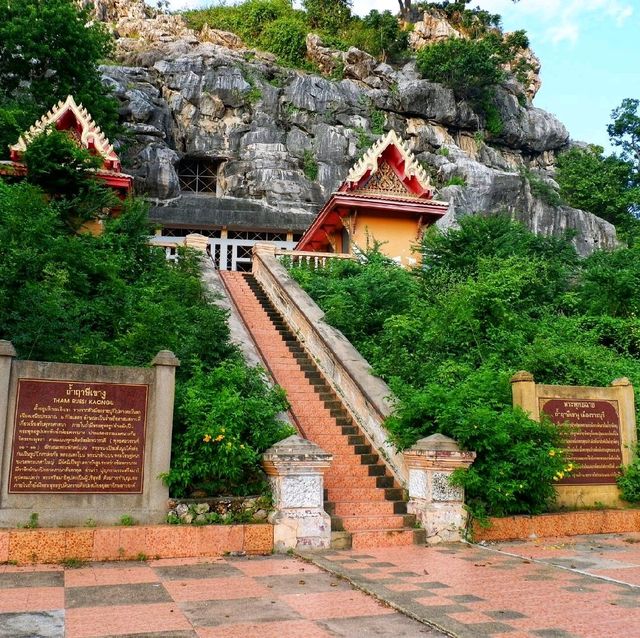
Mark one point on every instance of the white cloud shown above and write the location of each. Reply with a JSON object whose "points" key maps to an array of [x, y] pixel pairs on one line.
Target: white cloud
{"points": [[561, 20], [568, 32]]}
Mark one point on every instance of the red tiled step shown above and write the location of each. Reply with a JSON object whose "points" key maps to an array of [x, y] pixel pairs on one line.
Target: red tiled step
{"points": [[363, 508], [368, 523], [386, 538], [339, 494]]}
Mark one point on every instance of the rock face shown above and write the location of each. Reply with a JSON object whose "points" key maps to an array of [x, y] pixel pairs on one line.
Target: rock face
{"points": [[282, 140]]}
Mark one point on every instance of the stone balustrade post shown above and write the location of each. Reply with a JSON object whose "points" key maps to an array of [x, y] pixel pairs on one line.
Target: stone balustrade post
{"points": [[7, 355], [438, 505], [295, 467], [164, 364]]}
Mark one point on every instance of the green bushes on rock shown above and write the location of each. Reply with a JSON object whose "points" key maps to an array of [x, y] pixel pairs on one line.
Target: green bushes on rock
{"points": [[276, 26], [286, 38], [473, 68]]}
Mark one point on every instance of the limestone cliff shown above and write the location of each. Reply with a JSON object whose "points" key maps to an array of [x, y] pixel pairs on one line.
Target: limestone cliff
{"points": [[269, 128]]}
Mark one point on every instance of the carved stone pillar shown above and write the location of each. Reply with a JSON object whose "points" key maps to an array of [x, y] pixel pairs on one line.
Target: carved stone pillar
{"points": [[437, 504], [295, 467]]}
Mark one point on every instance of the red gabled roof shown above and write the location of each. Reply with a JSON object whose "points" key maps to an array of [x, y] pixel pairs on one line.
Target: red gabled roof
{"points": [[69, 116]]}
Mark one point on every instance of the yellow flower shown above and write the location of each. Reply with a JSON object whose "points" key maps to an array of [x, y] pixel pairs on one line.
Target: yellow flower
{"points": [[206, 438], [569, 468], [558, 476], [552, 452], [219, 438]]}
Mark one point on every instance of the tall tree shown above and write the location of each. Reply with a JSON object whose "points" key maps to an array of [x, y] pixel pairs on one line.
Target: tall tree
{"points": [[48, 50], [624, 131]]}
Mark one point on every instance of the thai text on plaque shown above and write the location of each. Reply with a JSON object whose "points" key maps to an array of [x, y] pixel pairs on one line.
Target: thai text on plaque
{"points": [[594, 444], [78, 437]]}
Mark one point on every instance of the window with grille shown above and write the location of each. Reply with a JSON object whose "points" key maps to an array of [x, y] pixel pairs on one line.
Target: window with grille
{"points": [[198, 175]]}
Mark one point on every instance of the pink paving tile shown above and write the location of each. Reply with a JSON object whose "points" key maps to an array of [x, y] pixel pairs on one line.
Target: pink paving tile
{"points": [[89, 622], [629, 575], [171, 562], [275, 567], [402, 587], [215, 589], [88, 576], [433, 601], [280, 629], [24, 569], [339, 604], [31, 599], [469, 617]]}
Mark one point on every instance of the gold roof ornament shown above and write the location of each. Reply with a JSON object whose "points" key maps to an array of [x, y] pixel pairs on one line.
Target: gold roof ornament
{"points": [[370, 161], [91, 135]]}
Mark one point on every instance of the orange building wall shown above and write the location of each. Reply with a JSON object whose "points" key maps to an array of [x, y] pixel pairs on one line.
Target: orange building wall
{"points": [[400, 236]]}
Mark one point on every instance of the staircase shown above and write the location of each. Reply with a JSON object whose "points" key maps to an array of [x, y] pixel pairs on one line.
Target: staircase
{"points": [[361, 496]]}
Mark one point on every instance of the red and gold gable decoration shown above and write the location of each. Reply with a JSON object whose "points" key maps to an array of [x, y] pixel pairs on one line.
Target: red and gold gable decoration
{"points": [[74, 118], [387, 182], [388, 167]]}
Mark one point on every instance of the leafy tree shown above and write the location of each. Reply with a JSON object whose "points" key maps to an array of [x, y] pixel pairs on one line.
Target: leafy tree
{"points": [[328, 15], [64, 170], [602, 185], [390, 41], [48, 50], [624, 131]]}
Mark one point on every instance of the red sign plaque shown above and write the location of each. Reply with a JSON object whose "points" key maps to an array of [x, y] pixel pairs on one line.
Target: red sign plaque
{"points": [[78, 437], [594, 444]]}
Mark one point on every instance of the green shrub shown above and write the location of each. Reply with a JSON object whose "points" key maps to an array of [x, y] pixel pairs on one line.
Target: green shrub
{"points": [[286, 37], [542, 190], [228, 421], [629, 482], [384, 37], [456, 180], [309, 165], [247, 19], [328, 16], [472, 69], [378, 120]]}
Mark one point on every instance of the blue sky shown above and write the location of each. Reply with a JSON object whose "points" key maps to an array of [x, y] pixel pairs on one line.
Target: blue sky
{"points": [[589, 50]]}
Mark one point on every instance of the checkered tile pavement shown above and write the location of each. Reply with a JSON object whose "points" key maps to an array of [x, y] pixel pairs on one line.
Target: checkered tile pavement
{"points": [[559, 588], [581, 587], [269, 597]]}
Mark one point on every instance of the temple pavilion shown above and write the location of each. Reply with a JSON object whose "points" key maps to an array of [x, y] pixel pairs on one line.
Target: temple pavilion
{"points": [[77, 122], [386, 198]]}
